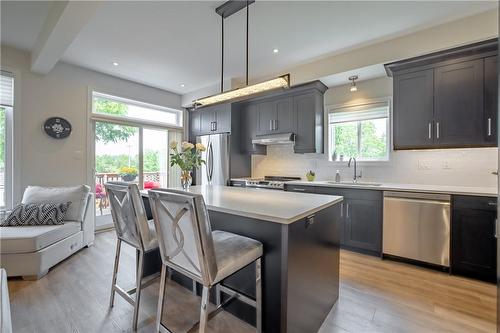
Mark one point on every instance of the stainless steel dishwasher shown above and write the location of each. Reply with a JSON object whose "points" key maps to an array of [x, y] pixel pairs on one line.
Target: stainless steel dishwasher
{"points": [[417, 227]]}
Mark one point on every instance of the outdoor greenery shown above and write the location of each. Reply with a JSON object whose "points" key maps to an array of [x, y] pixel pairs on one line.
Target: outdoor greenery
{"points": [[373, 146], [112, 163], [107, 132]]}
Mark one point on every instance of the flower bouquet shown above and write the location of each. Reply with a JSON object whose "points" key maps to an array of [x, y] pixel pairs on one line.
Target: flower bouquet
{"points": [[187, 157]]}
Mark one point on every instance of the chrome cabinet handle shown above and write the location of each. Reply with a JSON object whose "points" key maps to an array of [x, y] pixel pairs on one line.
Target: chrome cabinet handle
{"points": [[299, 189], [430, 131], [496, 228], [437, 130], [215, 126], [270, 124], [342, 209], [347, 211], [276, 124], [492, 203], [489, 126]]}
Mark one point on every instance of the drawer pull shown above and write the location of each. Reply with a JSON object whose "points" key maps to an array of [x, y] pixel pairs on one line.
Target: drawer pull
{"points": [[492, 203], [309, 221], [299, 189]]}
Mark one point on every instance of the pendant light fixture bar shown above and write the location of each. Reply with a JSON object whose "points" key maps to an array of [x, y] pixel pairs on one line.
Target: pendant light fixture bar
{"points": [[226, 10]]}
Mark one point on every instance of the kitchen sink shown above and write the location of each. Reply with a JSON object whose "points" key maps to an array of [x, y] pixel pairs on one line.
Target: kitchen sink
{"points": [[354, 184]]}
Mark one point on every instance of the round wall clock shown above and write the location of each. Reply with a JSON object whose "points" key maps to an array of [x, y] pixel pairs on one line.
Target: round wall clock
{"points": [[57, 127]]}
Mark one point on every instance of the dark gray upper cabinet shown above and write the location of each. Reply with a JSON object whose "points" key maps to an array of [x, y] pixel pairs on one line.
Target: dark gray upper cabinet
{"points": [[275, 116], [458, 104], [248, 130], [491, 99], [210, 120], [446, 99], [413, 100], [308, 113]]}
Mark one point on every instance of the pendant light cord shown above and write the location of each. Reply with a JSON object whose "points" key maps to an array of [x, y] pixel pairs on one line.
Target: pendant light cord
{"points": [[247, 49], [222, 59]]}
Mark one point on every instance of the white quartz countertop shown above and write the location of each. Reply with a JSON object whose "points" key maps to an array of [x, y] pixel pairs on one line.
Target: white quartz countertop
{"points": [[458, 190], [269, 205]]}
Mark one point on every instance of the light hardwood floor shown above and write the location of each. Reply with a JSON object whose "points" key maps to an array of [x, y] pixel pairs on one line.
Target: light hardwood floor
{"points": [[375, 296]]}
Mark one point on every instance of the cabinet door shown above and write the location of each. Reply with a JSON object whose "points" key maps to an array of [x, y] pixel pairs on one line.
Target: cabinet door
{"points": [[473, 243], [491, 99], [305, 138], [413, 110], [194, 124], [207, 118], [363, 224], [248, 127], [265, 117], [284, 122], [223, 119], [458, 104]]}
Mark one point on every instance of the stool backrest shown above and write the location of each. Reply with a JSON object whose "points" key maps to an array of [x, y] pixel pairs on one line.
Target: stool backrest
{"points": [[184, 233], [129, 215]]}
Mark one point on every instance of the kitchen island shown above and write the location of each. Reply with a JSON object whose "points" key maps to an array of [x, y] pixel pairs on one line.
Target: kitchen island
{"points": [[300, 265]]}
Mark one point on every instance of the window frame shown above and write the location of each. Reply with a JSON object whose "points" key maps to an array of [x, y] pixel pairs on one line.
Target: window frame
{"points": [[360, 103], [93, 117], [12, 177]]}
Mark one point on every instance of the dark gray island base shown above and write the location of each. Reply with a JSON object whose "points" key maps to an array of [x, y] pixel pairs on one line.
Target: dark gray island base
{"points": [[300, 269]]}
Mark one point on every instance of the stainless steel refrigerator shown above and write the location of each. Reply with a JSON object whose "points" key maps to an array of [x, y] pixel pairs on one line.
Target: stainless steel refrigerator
{"points": [[216, 169]]}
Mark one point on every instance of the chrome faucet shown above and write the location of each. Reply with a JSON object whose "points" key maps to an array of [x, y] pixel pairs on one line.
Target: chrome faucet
{"points": [[355, 176]]}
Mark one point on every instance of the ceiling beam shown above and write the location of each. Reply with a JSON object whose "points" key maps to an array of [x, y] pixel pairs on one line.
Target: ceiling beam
{"points": [[63, 24]]}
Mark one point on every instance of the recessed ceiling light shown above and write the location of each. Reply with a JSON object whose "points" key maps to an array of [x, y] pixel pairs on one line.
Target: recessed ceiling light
{"points": [[115, 64], [275, 50], [182, 85]]}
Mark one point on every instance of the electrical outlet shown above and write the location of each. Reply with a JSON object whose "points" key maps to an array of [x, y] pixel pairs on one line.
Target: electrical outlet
{"points": [[423, 165]]}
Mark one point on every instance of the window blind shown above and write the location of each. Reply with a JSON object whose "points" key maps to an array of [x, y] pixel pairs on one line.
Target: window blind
{"points": [[6, 89], [359, 112]]}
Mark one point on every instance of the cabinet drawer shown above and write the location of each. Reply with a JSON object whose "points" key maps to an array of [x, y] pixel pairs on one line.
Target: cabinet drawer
{"points": [[470, 202], [300, 188], [351, 193]]}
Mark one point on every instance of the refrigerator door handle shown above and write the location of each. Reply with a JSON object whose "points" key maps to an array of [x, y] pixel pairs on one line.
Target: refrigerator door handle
{"points": [[210, 158]]}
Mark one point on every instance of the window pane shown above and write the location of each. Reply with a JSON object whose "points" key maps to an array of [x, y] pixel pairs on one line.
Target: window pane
{"points": [[374, 139], [3, 135], [346, 139], [136, 111], [155, 159]]}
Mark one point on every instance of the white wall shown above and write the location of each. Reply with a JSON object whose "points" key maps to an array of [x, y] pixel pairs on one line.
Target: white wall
{"points": [[63, 92], [466, 167]]}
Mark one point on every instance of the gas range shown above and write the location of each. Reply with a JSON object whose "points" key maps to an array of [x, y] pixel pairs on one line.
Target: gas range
{"points": [[269, 182]]}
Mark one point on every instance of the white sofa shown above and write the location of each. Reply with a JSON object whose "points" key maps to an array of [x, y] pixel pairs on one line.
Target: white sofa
{"points": [[29, 251]]}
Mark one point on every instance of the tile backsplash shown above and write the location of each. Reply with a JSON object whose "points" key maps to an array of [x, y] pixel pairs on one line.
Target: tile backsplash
{"points": [[461, 167]]}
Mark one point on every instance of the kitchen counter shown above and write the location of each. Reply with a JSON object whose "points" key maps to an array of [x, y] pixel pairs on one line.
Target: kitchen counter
{"points": [[300, 267], [446, 189], [266, 205]]}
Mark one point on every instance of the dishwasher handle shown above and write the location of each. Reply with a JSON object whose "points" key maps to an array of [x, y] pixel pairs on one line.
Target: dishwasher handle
{"points": [[426, 201], [417, 196]]}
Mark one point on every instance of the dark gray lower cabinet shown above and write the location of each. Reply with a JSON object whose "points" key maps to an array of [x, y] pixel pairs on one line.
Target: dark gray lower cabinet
{"points": [[361, 217], [473, 242]]}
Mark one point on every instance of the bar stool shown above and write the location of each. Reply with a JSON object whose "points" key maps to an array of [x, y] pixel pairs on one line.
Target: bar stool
{"points": [[133, 228], [188, 245]]}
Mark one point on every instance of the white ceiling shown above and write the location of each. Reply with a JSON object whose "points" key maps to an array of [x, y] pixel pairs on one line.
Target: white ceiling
{"points": [[166, 44]]}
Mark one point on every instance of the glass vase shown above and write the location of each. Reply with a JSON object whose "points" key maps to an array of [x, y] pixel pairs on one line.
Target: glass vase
{"points": [[186, 179]]}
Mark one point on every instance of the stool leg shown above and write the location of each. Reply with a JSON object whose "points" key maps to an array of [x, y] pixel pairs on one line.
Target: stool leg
{"points": [[115, 273], [163, 280], [138, 289], [258, 295], [204, 309]]}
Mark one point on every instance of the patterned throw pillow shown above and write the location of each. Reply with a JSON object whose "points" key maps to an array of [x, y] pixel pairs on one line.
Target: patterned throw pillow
{"points": [[36, 214]]}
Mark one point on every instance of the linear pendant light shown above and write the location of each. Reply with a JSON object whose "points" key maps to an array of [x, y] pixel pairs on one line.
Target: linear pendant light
{"points": [[225, 10]]}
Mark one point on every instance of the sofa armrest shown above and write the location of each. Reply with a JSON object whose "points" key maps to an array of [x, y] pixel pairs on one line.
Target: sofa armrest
{"points": [[88, 224]]}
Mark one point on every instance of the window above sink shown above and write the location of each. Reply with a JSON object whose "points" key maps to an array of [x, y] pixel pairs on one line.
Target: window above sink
{"points": [[360, 130]]}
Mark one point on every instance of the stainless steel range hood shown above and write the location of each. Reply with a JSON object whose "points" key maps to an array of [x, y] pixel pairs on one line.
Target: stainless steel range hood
{"points": [[274, 139]]}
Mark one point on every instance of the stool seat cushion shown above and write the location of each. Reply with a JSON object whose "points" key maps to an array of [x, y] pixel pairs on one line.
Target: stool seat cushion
{"points": [[233, 252]]}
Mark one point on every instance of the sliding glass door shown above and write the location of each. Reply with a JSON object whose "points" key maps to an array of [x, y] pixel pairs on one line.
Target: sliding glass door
{"points": [[130, 147]]}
